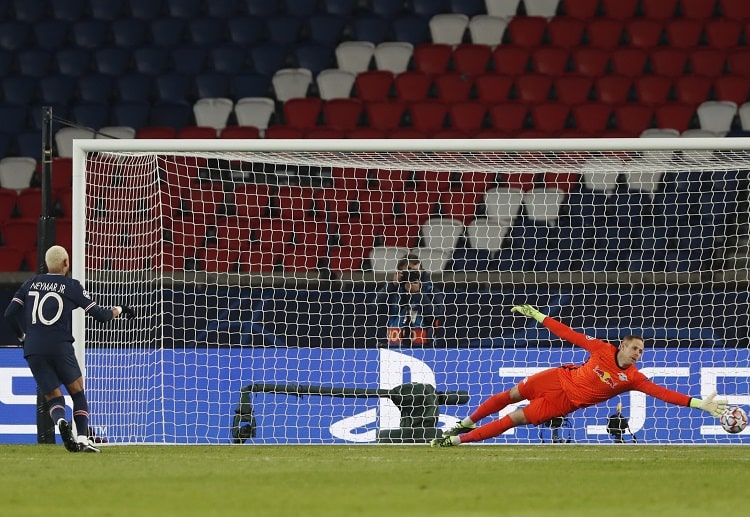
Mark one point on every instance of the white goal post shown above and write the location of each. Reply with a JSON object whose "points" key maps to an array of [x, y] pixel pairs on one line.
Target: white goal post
{"points": [[269, 311]]}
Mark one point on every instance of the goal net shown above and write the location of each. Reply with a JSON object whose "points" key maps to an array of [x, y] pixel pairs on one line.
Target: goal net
{"points": [[360, 291]]}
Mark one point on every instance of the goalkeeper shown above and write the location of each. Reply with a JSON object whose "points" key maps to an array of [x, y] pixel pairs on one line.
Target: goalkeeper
{"points": [[555, 392]]}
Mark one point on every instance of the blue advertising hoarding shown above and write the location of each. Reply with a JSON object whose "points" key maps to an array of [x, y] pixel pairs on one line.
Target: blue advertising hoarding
{"points": [[189, 395]]}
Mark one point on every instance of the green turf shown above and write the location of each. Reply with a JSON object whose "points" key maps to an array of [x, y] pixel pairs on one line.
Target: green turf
{"points": [[375, 480]]}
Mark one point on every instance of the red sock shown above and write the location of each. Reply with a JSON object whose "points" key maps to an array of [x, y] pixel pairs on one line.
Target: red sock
{"points": [[489, 430], [492, 405]]}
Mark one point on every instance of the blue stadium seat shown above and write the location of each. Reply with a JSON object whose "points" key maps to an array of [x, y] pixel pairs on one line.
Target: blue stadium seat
{"points": [[173, 88], [91, 115], [5, 144], [167, 32], [97, 88], [172, 114], [131, 113], [212, 84], [326, 29], [269, 57], [230, 59], [90, 33], [371, 27], [134, 88], [19, 89], [13, 117], [34, 62], [31, 11], [74, 61], [6, 62], [315, 57], [69, 10], [58, 89], [146, 9], [151, 60], [304, 8], [112, 60], [189, 60], [106, 10], [411, 28], [246, 30], [283, 29], [51, 34], [206, 31], [189, 9], [223, 8], [429, 8], [28, 143], [387, 8], [261, 7], [250, 84], [339, 7], [14, 35], [468, 7], [129, 32]]}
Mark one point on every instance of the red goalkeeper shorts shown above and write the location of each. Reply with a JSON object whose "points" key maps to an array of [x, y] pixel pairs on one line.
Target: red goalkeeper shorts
{"points": [[545, 395]]}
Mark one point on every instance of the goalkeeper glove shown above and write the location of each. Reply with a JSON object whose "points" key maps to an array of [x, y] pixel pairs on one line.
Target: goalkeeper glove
{"points": [[709, 405], [128, 312], [531, 312]]}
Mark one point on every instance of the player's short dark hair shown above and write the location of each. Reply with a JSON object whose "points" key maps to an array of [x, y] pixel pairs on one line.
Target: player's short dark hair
{"points": [[630, 337]]}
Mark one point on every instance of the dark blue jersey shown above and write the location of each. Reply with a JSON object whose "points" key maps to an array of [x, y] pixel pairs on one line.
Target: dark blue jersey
{"points": [[42, 308]]}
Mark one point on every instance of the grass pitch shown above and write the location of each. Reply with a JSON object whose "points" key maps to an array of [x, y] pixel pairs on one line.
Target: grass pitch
{"points": [[555, 480]]}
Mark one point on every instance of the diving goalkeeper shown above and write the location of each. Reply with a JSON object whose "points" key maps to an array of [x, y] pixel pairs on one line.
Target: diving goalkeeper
{"points": [[555, 392]]}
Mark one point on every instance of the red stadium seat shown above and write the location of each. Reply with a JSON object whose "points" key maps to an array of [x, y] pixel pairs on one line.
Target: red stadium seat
{"points": [[593, 117], [403, 235], [591, 62], [493, 88], [734, 10], [355, 233], [561, 180], [274, 234], [526, 31], [374, 85], [565, 32], [11, 258], [652, 90], [550, 60], [412, 86], [619, 9], [453, 87], [235, 232], [342, 114], [375, 206], [29, 203], [419, 205], [668, 62], [550, 117], [533, 88], [644, 32], [674, 115], [284, 132], [471, 58], [258, 260], [408, 133], [477, 182], [509, 116], [698, 9], [293, 202], [683, 33], [573, 89], [428, 116], [467, 116], [218, 260], [613, 89], [520, 180], [630, 62], [20, 233], [659, 9], [156, 132], [738, 62], [722, 33], [511, 60], [432, 58], [707, 62], [250, 200], [732, 88], [63, 233], [8, 198], [633, 119], [460, 205], [692, 89], [240, 132], [343, 259], [604, 33], [434, 181], [302, 112], [196, 132], [365, 133], [583, 9], [385, 116], [62, 173]]}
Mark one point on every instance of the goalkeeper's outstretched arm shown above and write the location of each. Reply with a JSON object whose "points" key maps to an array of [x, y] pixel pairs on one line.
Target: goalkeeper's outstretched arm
{"points": [[710, 405]]}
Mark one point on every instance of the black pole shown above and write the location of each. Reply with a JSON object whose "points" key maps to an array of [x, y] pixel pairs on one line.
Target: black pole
{"points": [[45, 428]]}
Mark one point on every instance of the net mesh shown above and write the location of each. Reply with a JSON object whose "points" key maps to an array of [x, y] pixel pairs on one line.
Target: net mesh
{"points": [[275, 304]]}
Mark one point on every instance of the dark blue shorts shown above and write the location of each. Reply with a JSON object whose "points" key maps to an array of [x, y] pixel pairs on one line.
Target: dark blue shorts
{"points": [[50, 371]]}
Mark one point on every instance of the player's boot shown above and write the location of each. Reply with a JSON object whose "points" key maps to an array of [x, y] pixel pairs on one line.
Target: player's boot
{"points": [[87, 447], [459, 428], [445, 441], [66, 433]]}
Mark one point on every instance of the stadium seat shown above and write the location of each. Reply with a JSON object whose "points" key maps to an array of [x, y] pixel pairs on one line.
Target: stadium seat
{"points": [[393, 56], [374, 85], [593, 117], [151, 60], [342, 114], [732, 88], [384, 115], [707, 62], [131, 113], [644, 33], [228, 59], [121, 132], [15, 35], [659, 132], [533, 88], [411, 28], [335, 83], [73, 61], [283, 29], [245, 31], [268, 57], [683, 33], [467, 117], [33, 62], [550, 60], [629, 61], [454, 87], [527, 31], [412, 86], [387, 8], [171, 87], [591, 62], [652, 90], [744, 114], [668, 62], [129, 32], [290, 83], [240, 132], [21, 233], [313, 56], [11, 258], [399, 235], [57, 89], [613, 89], [604, 33], [93, 115], [188, 60], [370, 27], [212, 85], [550, 117], [156, 132], [734, 10], [112, 60], [8, 198], [90, 33], [508, 116], [723, 33], [471, 58], [250, 84], [573, 89], [354, 56], [502, 8], [29, 203], [428, 115], [326, 29], [174, 114], [254, 111], [698, 9], [302, 112], [440, 235], [487, 30], [738, 62], [384, 259], [64, 139], [565, 32], [339, 7], [633, 119], [432, 58], [49, 34], [448, 28], [716, 116], [16, 172], [19, 90], [460, 205], [213, 112], [692, 89]]}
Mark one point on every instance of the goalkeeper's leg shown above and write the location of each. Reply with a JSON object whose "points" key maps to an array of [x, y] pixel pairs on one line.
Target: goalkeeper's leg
{"points": [[494, 404]]}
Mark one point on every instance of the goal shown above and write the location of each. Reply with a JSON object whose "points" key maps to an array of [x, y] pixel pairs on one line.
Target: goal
{"points": [[339, 292]]}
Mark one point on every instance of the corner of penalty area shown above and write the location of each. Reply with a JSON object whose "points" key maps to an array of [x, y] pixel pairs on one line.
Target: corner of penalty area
{"points": [[417, 402]]}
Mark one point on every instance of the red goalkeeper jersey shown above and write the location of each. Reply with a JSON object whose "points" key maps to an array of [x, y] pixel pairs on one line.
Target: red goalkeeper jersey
{"points": [[600, 378]]}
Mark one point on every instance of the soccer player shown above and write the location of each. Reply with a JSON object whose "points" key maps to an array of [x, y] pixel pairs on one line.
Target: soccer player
{"points": [[41, 315], [555, 392]]}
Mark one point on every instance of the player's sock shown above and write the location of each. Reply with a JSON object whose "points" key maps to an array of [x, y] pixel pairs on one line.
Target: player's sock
{"points": [[57, 409], [492, 405], [81, 413], [489, 430]]}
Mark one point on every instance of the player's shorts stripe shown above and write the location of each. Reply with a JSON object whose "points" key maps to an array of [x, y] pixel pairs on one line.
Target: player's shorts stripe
{"points": [[17, 300], [89, 306]]}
